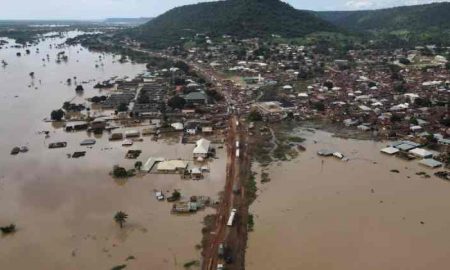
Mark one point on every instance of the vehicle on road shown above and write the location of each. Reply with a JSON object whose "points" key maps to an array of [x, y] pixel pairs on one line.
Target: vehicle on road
{"points": [[232, 216]]}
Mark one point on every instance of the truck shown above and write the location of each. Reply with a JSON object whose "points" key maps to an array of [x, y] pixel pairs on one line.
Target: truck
{"points": [[237, 153], [237, 144], [231, 218]]}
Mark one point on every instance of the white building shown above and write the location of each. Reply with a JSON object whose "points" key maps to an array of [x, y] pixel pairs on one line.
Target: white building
{"points": [[202, 148]]}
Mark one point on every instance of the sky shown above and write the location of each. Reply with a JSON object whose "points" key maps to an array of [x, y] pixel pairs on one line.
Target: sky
{"points": [[100, 9]]}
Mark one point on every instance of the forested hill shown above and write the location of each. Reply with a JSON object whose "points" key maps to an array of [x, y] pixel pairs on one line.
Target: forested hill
{"points": [[241, 18], [430, 17]]}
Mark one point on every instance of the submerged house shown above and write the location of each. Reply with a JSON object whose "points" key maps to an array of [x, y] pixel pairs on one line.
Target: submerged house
{"points": [[202, 148], [172, 166]]}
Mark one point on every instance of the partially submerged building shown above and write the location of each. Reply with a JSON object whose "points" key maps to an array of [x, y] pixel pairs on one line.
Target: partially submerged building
{"points": [[202, 148]]}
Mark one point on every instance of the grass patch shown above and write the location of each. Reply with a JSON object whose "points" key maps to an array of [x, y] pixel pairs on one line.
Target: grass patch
{"points": [[250, 188], [250, 223], [119, 267], [296, 139], [265, 177], [191, 263]]}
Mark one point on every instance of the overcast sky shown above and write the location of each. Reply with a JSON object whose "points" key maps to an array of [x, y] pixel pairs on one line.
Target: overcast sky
{"points": [[99, 9]]}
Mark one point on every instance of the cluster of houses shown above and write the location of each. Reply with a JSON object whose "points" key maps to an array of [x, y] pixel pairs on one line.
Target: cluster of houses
{"points": [[391, 94], [410, 150], [202, 150]]}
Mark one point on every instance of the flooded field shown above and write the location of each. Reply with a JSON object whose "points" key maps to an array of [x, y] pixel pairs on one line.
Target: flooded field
{"points": [[324, 213], [63, 208]]}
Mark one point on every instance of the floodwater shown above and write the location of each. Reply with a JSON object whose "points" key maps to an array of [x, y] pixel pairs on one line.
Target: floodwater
{"points": [[323, 213], [63, 208]]}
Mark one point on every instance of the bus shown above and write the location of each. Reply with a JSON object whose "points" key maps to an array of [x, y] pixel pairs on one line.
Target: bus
{"points": [[232, 216]]}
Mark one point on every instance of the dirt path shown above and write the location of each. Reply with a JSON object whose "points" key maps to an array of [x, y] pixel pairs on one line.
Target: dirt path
{"points": [[238, 170]]}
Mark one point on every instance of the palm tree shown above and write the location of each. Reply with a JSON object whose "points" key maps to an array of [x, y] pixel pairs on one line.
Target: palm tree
{"points": [[121, 218], [138, 165]]}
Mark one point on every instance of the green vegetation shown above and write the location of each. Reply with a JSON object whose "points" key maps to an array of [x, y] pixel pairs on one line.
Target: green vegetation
{"points": [[399, 26], [120, 172], [250, 223], [250, 188], [176, 195], [191, 263], [120, 218], [176, 102], [296, 139], [119, 267], [265, 177], [57, 115], [398, 18], [122, 107], [8, 229], [254, 116], [240, 18], [138, 165]]}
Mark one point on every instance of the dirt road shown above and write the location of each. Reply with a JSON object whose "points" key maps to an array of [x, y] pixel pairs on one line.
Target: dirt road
{"points": [[238, 171]]}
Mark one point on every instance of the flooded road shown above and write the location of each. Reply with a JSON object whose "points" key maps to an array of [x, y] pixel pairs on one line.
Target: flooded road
{"points": [[323, 213], [63, 208]]}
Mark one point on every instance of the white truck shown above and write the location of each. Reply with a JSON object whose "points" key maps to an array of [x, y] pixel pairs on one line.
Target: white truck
{"points": [[231, 218]]}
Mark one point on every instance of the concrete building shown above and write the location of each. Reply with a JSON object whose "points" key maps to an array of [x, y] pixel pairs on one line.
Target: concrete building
{"points": [[202, 148]]}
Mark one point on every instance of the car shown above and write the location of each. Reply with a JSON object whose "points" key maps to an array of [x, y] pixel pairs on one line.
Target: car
{"points": [[159, 196]]}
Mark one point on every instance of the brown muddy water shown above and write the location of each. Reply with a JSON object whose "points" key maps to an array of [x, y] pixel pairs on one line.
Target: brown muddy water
{"points": [[322, 213], [63, 208]]}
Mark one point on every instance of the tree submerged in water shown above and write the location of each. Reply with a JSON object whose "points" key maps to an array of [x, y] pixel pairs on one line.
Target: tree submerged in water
{"points": [[120, 218], [57, 115], [8, 229]]}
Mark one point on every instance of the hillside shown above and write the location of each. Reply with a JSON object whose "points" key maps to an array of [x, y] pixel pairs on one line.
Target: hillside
{"points": [[430, 17], [241, 18], [127, 21]]}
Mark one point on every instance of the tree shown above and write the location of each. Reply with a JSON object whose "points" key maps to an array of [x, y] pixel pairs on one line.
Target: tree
{"points": [[79, 88], [254, 116], [120, 218], [404, 61], [182, 66], [176, 195], [176, 102], [422, 102], [122, 107], [396, 118], [119, 172], [328, 84], [138, 165], [8, 229], [320, 106], [57, 115]]}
